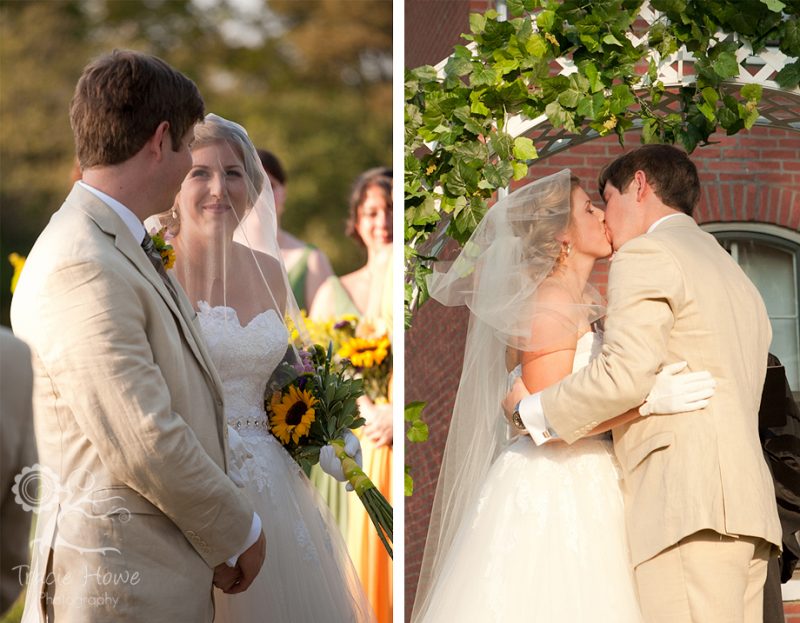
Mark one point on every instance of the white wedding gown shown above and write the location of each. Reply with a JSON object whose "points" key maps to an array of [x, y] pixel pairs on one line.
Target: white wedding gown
{"points": [[307, 576], [546, 540]]}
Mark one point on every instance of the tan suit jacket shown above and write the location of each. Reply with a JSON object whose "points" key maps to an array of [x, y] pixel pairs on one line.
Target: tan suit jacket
{"points": [[675, 294], [18, 452], [129, 424]]}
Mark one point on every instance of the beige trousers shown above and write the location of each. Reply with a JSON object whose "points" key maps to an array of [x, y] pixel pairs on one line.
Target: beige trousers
{"points": [[705, 578]]}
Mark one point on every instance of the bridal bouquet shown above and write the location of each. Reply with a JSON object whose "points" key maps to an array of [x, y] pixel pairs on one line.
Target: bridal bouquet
{"points": [[311, 402]]}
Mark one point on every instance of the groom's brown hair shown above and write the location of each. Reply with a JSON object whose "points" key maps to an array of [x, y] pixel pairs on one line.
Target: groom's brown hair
{"points": [[120, 100], [669, 171]]}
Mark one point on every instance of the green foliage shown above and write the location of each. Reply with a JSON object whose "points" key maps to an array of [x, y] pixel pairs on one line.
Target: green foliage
{"points": [[417, 432], [458, 151]]}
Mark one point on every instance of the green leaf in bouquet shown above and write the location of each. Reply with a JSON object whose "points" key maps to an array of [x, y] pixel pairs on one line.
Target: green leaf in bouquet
{"points": [[330, 392]]}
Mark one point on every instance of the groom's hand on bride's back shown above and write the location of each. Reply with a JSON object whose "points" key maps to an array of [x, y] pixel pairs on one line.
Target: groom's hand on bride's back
{"points": [[249, 565]]}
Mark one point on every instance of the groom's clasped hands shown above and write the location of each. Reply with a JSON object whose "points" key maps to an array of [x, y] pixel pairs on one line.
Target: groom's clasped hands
{"points": [[238, 579]]}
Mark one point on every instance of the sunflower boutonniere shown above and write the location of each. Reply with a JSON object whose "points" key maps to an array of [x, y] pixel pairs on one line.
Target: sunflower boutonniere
{"points": [[164, 248]]}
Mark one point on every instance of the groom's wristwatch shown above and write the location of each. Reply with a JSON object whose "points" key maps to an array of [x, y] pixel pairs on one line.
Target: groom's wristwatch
{"points": [[516, 419]]}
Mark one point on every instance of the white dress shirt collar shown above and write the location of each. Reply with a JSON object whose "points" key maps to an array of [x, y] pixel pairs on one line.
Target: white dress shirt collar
{"points": [[661, 220], [131, 221]]}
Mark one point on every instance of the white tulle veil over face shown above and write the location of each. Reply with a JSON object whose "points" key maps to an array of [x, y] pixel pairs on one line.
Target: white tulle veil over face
{"points": [[499, 274], [223, 228]]}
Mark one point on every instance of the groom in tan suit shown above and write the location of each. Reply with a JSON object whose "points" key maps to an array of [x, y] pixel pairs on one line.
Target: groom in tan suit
{"points": [[701, 514], [137, 514]]}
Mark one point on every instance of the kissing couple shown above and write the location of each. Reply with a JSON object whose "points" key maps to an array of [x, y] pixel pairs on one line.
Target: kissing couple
{"points": [[675, 519]]}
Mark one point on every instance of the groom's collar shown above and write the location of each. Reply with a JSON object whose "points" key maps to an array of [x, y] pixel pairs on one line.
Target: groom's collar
{"points": [[661, 220], [131, 221]]}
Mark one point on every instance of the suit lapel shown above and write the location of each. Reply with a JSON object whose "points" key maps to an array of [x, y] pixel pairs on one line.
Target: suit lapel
{"points": [[108, 221]]}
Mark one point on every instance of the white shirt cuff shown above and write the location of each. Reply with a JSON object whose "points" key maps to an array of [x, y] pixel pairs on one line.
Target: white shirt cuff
{"points": [[252, 537], [532, 415]]}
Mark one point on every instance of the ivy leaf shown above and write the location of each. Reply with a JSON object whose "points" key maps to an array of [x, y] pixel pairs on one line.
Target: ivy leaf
{"points": [[789, 76], [520, 170], [621, 98], [464, 224], [707, 110], [453, 204], [477, 107], [536, 46], [498, 175], [423, 214], [501, 144], [461, 180], [569, 98], [789, 37], [458, 66], [515, 7], [545, 20], [650, 131], [482, 76], [752, 92], [585, 107], [710, 95], [556, 114], [611, 40], [595, 82], [524, 149], [725, 65], [477, 23], [507, 65], [426, 73], [776, 6]]}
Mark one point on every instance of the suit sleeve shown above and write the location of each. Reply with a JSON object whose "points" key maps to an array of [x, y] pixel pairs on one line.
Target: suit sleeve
{"points": [[102, 367], [645, 291]]}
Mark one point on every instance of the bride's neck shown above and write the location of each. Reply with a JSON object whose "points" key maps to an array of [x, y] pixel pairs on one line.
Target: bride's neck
{"points": [[207, 258], [578, 269]]}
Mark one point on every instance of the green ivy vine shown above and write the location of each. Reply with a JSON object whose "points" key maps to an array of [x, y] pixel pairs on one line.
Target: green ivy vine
{"points": [[457, 148]]}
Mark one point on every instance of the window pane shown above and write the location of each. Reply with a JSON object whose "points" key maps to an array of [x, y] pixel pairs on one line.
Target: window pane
{"points": [[773, 271]]}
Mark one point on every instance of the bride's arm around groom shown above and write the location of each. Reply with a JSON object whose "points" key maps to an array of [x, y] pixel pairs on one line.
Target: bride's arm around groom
{"points": [[128, 407]]}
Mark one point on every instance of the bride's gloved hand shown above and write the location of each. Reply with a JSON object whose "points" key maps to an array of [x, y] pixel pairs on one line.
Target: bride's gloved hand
{"points": [[676, 393], [331, 464], [239, 453]]}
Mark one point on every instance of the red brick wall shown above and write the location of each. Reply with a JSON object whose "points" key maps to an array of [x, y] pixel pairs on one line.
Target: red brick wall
{"points": [[433, 27], [754, 176]]}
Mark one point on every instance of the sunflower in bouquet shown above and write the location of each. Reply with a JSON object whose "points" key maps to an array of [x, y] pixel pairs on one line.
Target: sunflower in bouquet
{"points": [[311, 402], [369, 350]]}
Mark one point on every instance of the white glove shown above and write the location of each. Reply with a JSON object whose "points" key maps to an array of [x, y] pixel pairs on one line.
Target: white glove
{"points": [[676, 393], [331, 464], [237, 470]]}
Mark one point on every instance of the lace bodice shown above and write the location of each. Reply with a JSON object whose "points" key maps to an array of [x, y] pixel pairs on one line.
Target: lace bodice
{"points": [[244, 356]]}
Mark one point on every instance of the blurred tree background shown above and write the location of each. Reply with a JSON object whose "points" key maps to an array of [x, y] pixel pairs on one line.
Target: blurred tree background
{"points": [[309, 79]]}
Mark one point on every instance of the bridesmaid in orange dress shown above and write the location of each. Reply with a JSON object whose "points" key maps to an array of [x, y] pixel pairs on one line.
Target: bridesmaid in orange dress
{"points": [[369, 290]]}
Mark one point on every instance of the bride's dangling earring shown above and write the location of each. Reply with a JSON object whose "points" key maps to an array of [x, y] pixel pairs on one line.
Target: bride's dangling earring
{"points": [[566, 249]]}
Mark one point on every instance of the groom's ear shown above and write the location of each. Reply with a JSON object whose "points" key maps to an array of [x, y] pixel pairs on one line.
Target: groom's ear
{"points": [[160, 141], [641, 185]]}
